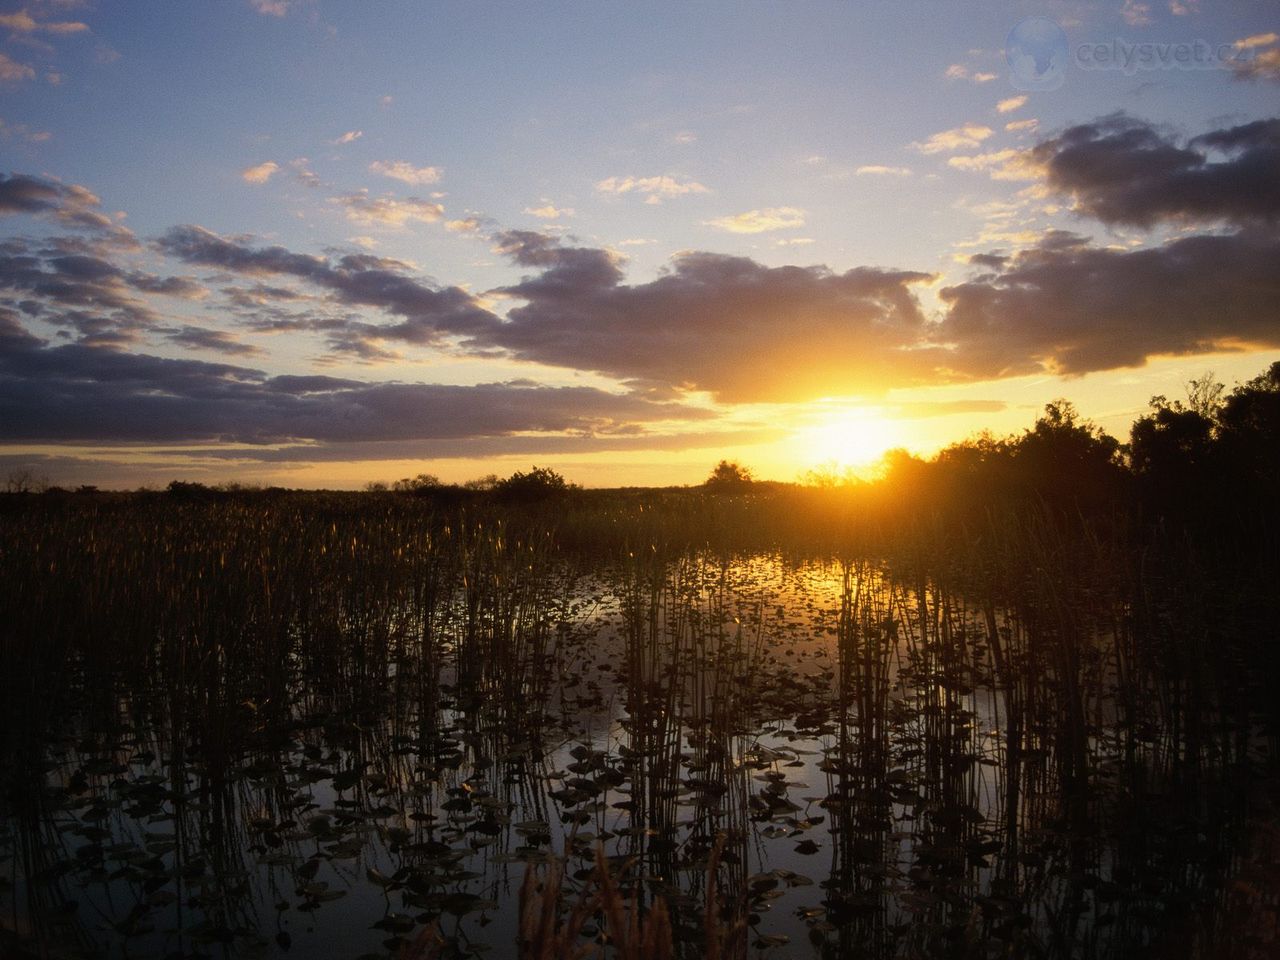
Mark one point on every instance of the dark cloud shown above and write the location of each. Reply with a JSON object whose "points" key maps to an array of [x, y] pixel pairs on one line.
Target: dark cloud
{"points": [[638, 438], [76, 393], [20, 193], [429, 313], [729, 325], [1072, 307], [183, 288], [79, 291], [203, 338], [260, 294], [1121, 170], [67, 203]]}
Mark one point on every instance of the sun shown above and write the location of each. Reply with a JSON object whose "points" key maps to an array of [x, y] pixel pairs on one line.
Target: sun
{"points": [[848, 438]]}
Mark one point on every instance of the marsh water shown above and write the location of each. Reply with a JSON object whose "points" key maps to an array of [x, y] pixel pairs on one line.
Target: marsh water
{"points": [[387, 740]]}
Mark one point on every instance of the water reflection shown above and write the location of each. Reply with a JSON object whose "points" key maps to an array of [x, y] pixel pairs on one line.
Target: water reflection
{"points": [[876, 765]]}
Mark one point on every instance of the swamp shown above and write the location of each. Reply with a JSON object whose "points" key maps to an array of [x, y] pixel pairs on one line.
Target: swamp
{"points": [[1015, 701]]}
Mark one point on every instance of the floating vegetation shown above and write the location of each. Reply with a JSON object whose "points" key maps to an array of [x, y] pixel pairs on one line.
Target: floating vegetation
{"points": [[335, 726]]}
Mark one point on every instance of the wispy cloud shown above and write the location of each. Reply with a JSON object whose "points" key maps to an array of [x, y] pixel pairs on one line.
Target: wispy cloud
{"points": [[964, 137], [464, 225], [1136, 13], [549, 211], [270, 8], [1257, 40], [760, 221], [351, 136], [11, 71], [305, 175], [22, 22], [1011, 104], [958, 71], [259, 173], [880, 170], [1262, 65], [406, 172], [654, 189], [388, 211], [1006, 164], [23, 132]]}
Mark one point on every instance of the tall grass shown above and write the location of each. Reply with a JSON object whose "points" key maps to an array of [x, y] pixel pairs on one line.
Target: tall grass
{"points": [[252, 701]]}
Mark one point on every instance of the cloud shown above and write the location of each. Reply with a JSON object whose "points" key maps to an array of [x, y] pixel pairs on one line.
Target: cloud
{"points": [[654, 189], [1263, 65], [879, 170], [69, 285], [22, 22], [23, 132], [549, 211], [724, 324], [406, 172], [388, 211], [1069, 307], [428, 313], [760, 221], [1257, 40], [1121, 170], [69, 204], [1021, 126], [351, 136], [270, 8], [964, 137], [463, 225], [303, 173], [1011, 104], [1136, 13], [1005, 164], [958, 71], [203, 338], [75, 393], [260, 173], [11, 71]]}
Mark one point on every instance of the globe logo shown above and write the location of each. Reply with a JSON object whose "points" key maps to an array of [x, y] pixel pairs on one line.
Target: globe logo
{"points": [[1037, 53]]}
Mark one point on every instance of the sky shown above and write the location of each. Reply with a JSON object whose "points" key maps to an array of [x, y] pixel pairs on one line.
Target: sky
{"points": [[314, 244]]}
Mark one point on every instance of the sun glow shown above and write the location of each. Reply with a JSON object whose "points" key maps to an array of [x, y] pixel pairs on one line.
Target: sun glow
{"points": [[846, 438]]}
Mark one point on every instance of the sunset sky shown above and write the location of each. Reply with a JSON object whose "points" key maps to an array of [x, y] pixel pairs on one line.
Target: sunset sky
{"points": [[319, 244]]}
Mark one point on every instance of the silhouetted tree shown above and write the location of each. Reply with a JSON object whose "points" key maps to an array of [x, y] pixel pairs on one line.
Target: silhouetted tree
{"points": [[539, 483], [422, 483], [729, 476], [1068, 462], [1173, 453], [1250, 437]]}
